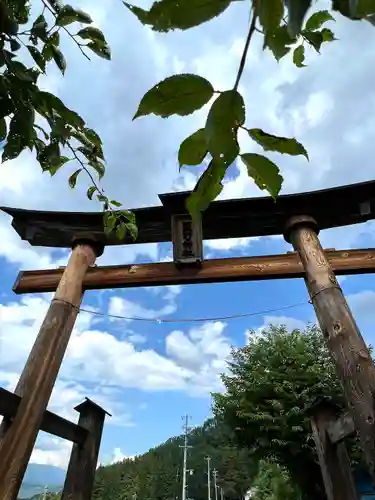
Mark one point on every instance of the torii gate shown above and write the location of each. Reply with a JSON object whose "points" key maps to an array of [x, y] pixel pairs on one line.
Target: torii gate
{"points": [[299, 217]]}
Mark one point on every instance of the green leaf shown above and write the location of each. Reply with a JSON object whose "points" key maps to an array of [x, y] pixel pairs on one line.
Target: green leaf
{"points": [[270, 14], [115, 203], [271, 142], [45, 102], [264, 172], [98, 166], [20, 134], [177, 95], [121, 230], [315, 38], [93, 137], [133, 230], [14, 45], [362, 8], [90, 192], [297, 10], [100, 49], [92, 33], [3, 129], [37, 56], [208, 187], [128, 215], [109, 222], [317, 20], [57, 163], [59, 59], [68, 15], [73, 178], [279, 42], [226, 115], [167, 15], [299, 56], [39, 27], [193, 149], [328, 35]]}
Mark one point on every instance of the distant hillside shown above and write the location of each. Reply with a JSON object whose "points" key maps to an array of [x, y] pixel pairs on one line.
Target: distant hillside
{"points": [[38, 476], [157, 473]]}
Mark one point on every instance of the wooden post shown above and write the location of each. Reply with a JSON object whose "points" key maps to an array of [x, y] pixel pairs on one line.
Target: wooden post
{"points": [[345, 342], [333, 458], [80, 477], [40, 372]]}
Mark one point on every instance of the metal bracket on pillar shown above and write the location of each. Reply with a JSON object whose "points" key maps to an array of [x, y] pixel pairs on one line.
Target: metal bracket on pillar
{"points": [[187, 239]]}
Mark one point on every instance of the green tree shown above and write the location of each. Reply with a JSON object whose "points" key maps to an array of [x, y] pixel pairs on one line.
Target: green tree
{"points": [[272, 381], [273, 483]]}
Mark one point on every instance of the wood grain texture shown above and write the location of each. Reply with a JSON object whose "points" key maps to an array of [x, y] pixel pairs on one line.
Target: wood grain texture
{"points": [[40, 372], [345, 342], [344, 262], [51, 423], [333, 458], [260, 216], [83, 459]]}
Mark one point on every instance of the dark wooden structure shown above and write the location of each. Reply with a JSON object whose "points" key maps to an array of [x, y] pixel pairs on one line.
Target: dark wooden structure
{"points": [[299, 217], [329, 434], [85, 436], [249, 217]]}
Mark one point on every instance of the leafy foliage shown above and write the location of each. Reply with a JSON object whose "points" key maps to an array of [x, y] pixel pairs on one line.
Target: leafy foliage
{"points": [[286, 25], [273, 483], [157, 474], [37, 120], [272, 382]]}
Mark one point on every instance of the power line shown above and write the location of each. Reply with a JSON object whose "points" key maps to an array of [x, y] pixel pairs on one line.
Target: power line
{"points": [[193, 320]]}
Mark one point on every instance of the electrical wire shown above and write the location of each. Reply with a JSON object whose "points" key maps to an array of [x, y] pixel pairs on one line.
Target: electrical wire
{"points": [[194, 320]]}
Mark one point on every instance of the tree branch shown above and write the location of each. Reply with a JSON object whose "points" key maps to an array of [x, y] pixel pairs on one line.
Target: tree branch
{"points": [[245, 50]]}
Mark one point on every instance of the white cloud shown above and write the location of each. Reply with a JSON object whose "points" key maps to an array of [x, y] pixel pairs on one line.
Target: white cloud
{"points": [[288, 321]]}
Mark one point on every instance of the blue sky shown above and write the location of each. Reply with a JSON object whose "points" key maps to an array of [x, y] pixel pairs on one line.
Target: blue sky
{"points": [[148, 374]]}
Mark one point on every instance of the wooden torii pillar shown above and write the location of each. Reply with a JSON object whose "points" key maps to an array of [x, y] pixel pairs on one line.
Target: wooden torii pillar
{"points": [[18, 436], [344, 340]]}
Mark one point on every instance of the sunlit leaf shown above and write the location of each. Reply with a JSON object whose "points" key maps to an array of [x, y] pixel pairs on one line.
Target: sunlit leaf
{"points": [[264, 172], [271, 142], [167, 15], [176, 95], [226, 115], [193, 149], [208, 187], [73, 178]]}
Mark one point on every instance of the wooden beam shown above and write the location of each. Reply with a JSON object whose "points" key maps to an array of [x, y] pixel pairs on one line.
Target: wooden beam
{"points": [[343, 262], [51, 423], [353, 360]]}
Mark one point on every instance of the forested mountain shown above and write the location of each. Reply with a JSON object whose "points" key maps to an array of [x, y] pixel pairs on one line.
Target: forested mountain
{"points": [[157, 474]]}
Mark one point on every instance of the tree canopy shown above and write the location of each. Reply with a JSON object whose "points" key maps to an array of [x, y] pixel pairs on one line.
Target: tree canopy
{"points": [[271, 384]]}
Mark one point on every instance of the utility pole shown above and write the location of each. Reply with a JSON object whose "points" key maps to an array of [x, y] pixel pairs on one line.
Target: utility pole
{"points": [[221, 494], [214, 473], [208, 459], [185, 447]]}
